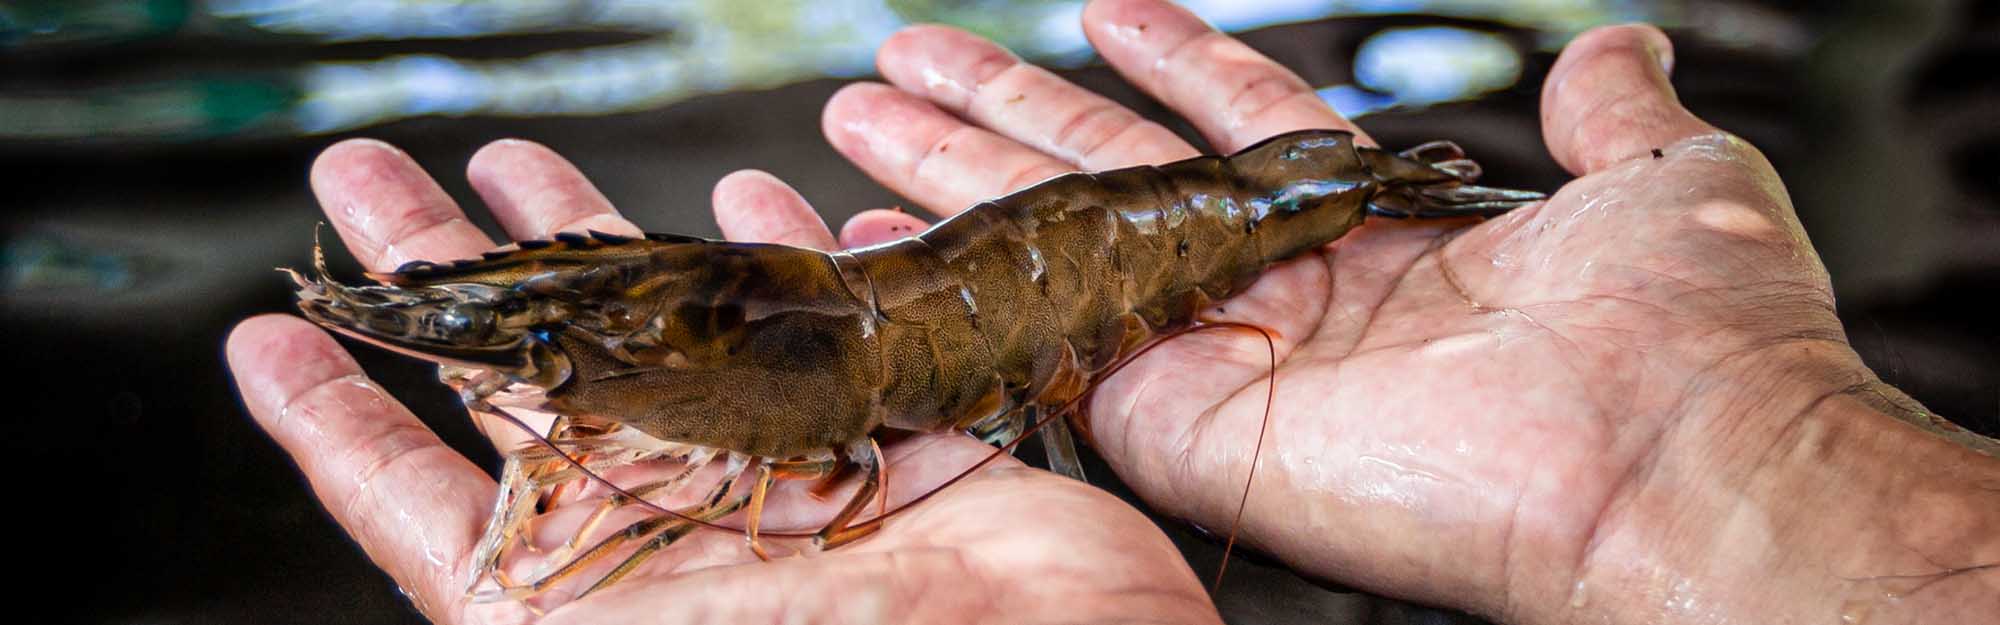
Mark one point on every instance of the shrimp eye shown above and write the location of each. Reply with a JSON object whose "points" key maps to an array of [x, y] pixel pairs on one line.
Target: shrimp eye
{"points": [[466, 322]]}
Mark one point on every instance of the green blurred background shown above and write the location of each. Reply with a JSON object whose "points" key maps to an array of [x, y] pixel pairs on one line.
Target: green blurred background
{"points": [[152, 172]]}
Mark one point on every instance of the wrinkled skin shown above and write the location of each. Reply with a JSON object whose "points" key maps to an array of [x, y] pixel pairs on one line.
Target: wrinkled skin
{"points": [[1503, 416]]}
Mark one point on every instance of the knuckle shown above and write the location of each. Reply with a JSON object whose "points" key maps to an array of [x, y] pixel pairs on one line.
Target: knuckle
{"points": [[1265, 90], [992, 63], [938, 150], [303, 401], [380, 459], [962, 87], [562, 209], [417, 223], [1177, 57], [1091, 128], [1034, 173]]}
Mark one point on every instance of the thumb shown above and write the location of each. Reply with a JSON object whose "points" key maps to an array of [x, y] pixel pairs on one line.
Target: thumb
{"points": [[1608, 99]]}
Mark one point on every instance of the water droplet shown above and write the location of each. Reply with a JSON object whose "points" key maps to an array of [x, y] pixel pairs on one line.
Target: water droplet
{"points": [[933, 80], [1126, 33], [416, 600], [1855, 611]]}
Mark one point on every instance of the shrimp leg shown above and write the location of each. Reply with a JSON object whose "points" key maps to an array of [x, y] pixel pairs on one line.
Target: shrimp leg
{"points": [[1059, 446], [616, 501], [716, 505], [676, 529], [838, 531]]}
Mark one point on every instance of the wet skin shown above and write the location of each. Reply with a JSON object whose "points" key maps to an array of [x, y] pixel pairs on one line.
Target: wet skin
{"points": [[1625, 405]]}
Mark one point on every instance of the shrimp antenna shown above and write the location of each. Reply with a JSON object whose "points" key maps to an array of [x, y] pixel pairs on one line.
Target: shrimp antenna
{"points": [[1257, 452]]}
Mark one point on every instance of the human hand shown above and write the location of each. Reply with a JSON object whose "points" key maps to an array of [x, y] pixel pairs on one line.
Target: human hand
{"points": [[1009, 543], [1563, 413], [1493, 437]]}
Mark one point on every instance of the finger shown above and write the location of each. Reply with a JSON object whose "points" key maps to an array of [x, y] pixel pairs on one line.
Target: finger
{"points": [[902, 575], [877, 226], [388, 210], [1608, 99], [751, 205], [926, 154], [413, 503], [977, 79], [1232, 94], [535, 193]]}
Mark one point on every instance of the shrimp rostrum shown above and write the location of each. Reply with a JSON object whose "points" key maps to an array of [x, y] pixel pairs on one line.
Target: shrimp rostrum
{"points": [[785, 363]]}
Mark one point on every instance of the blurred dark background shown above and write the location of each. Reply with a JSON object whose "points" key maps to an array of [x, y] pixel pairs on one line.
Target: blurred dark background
{"points": [[153, 156]]}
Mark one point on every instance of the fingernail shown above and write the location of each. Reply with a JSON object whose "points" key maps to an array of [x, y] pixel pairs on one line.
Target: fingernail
{"points": [[1657, 43], [377, 144]]}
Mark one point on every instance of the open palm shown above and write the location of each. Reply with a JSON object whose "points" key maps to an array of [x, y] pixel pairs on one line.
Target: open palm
{"points": [[1460, 411], [1458, 408], [1465, 412]]}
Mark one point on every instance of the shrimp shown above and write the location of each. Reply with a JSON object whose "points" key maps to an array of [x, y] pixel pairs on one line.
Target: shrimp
{"points": [[788, 362]]}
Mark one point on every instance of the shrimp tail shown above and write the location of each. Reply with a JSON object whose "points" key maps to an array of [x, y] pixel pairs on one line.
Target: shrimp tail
{"points": [[1435, 181], [1446, 200]]}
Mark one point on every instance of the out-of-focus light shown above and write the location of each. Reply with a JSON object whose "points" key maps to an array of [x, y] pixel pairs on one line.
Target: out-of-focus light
{"points": [[1057, 37], [1416, 67], [348, 20], [597, 80], [84, 23], [1434, 64], [693, 47], [715, 52], [1351, 101], [43, 264]]}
